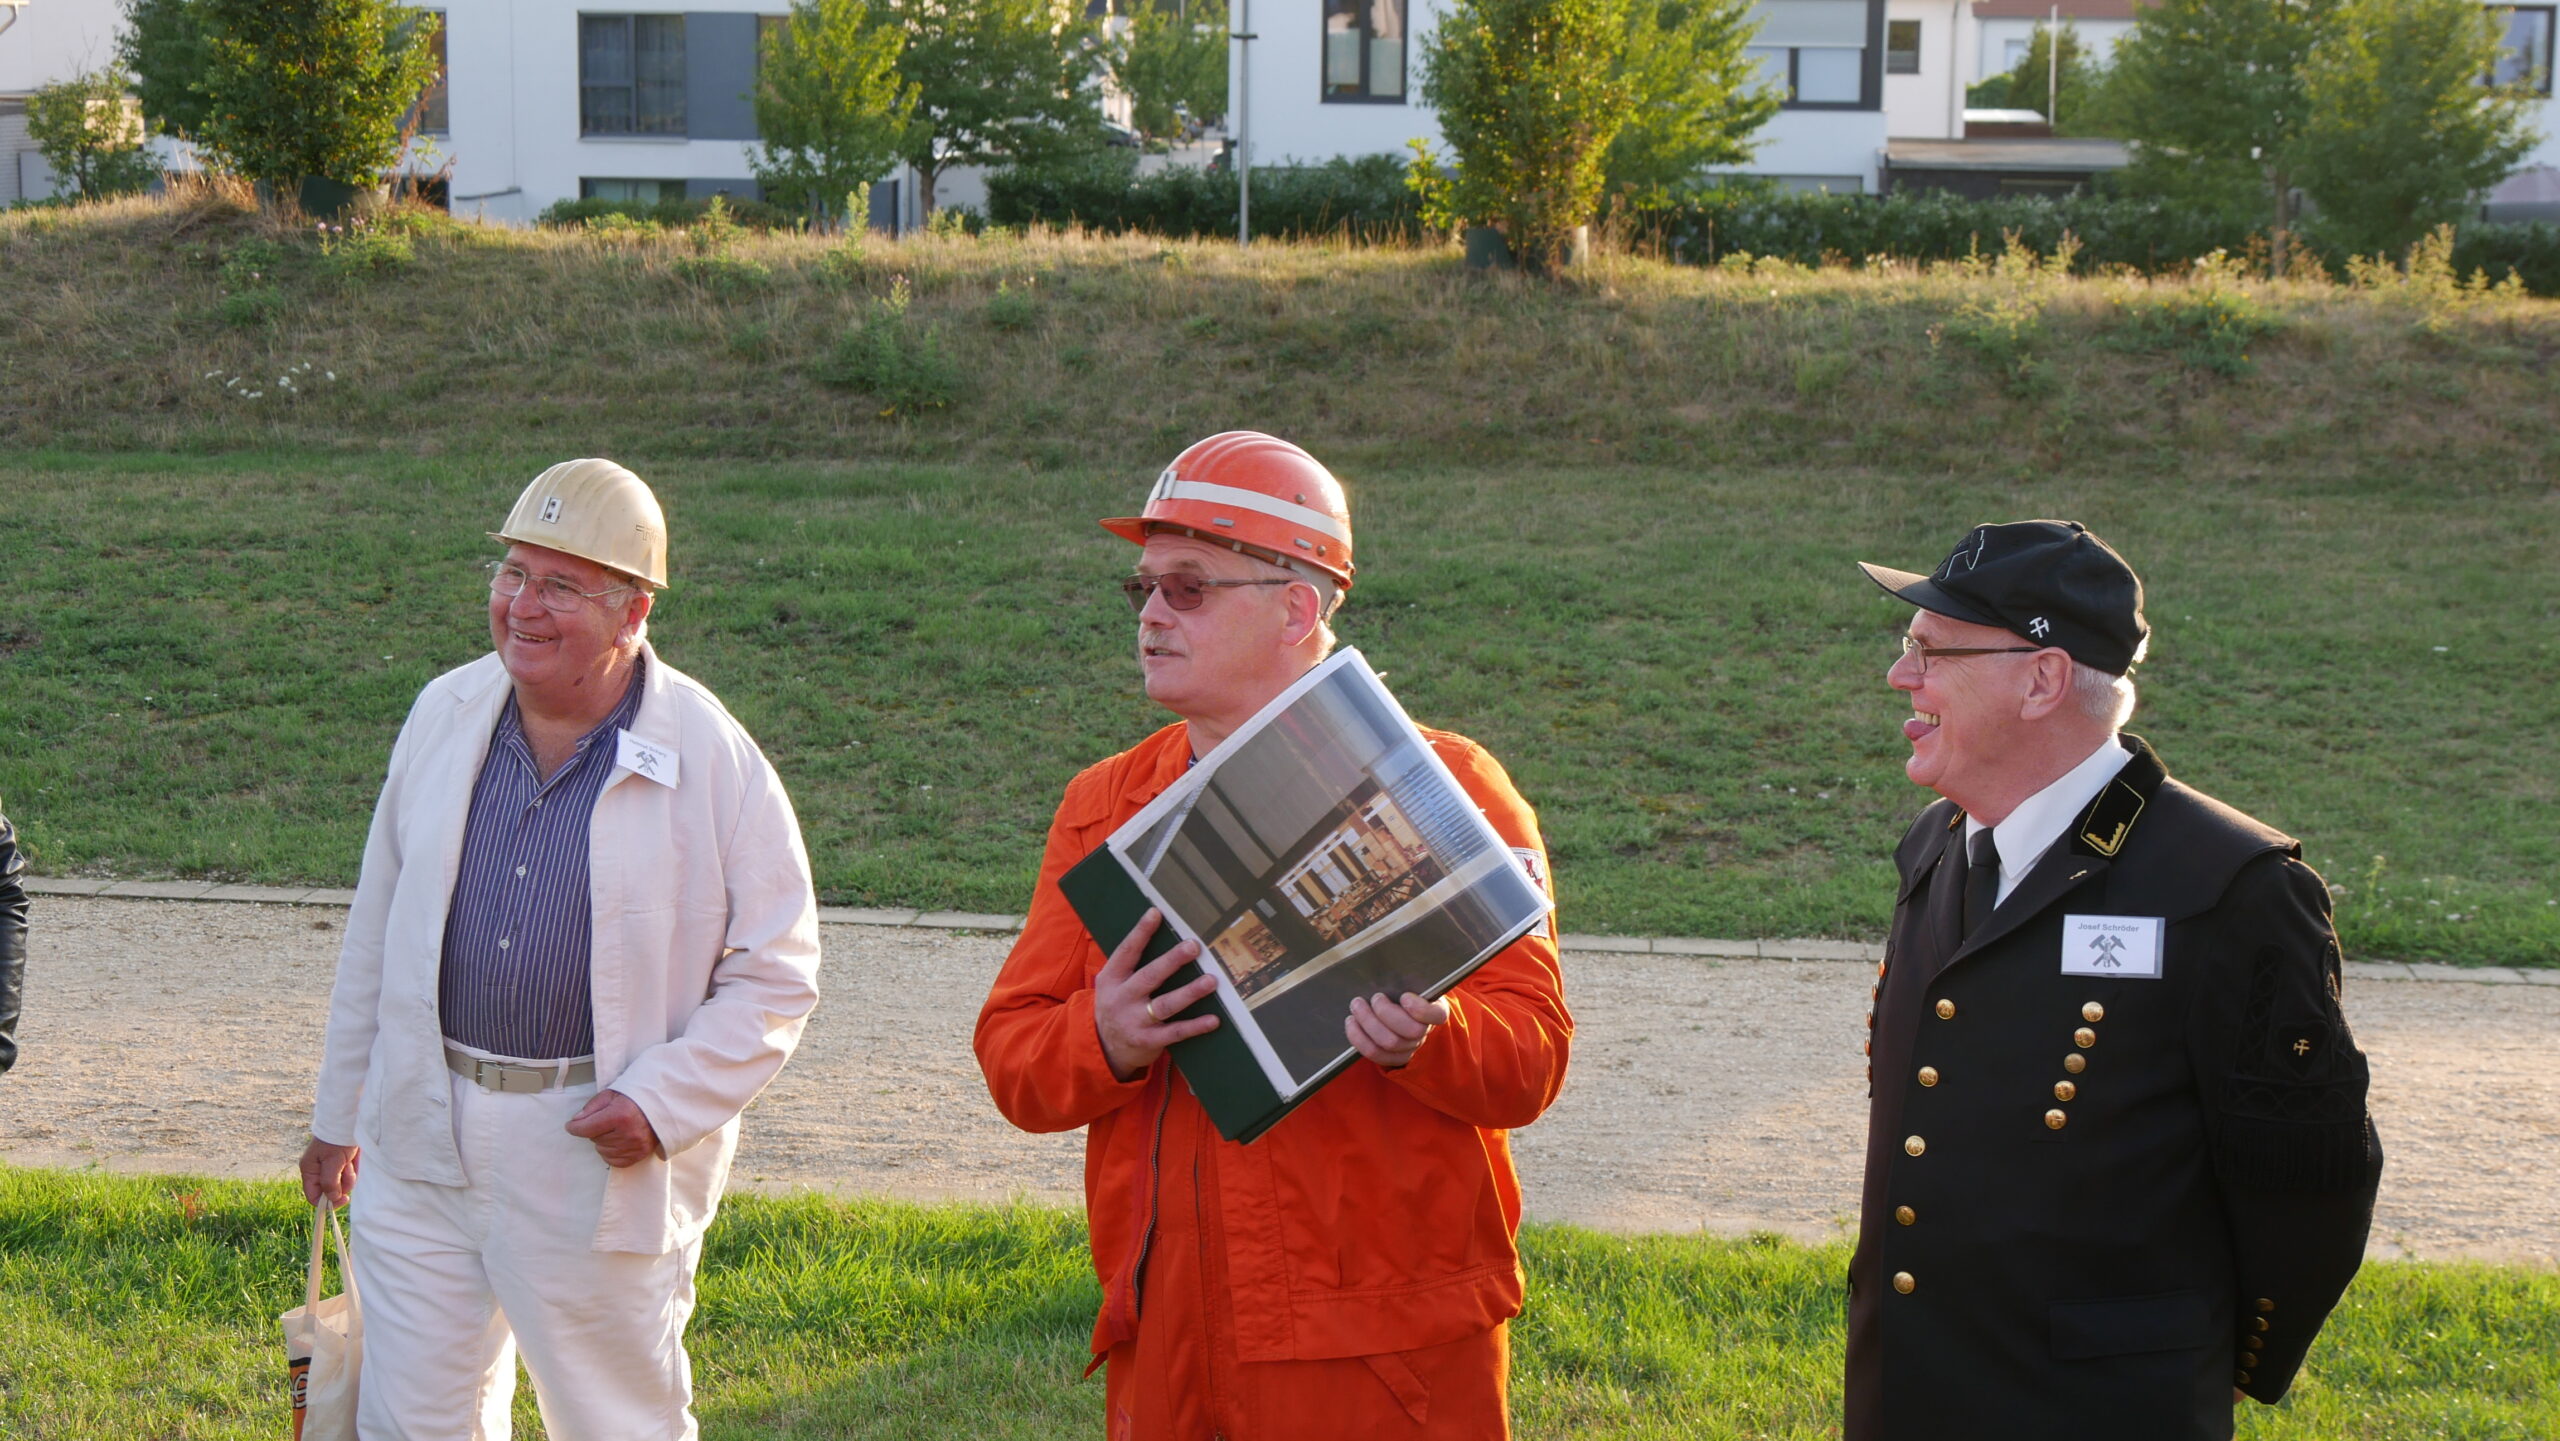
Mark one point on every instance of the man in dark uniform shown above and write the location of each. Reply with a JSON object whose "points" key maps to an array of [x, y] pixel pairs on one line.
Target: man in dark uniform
{"points": [[2119, 1167]]}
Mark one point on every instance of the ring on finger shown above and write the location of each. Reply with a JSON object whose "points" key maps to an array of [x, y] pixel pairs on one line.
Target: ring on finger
{"points": [[1151, 1011]]}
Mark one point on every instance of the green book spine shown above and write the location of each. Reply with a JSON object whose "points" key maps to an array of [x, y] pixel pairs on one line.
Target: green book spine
{"points": [[1219, 1066]]}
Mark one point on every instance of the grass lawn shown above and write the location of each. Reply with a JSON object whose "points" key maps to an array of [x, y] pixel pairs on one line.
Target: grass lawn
{"points": [[145, 1307], [1605, 528]]}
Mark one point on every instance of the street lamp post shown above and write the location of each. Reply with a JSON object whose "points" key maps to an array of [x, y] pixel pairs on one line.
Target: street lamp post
{"points": [[1244, 38]]}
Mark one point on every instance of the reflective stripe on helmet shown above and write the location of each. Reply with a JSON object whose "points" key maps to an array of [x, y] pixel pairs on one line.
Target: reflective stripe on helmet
{"points": [[1170, 489]]}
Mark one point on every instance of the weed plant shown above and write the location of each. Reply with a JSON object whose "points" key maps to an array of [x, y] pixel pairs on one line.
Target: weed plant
{"points": [[893, 358], [145, 1306]]}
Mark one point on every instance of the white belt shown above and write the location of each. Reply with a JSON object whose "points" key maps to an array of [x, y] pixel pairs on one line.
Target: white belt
{"points": [[490, 1073]]}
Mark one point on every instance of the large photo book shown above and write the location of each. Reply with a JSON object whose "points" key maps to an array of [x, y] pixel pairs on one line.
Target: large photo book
{"points": [[1322, 852]]}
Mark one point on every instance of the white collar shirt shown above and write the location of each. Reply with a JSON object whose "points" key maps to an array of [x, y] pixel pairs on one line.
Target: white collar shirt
{"points": [[2040, 819]]}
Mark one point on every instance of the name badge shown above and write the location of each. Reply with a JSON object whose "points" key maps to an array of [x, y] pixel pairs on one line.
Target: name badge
{"points": [[2125, 947], [644, 758]]}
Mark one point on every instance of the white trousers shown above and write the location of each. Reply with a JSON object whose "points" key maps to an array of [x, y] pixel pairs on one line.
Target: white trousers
{"points": [[455, 1279]]}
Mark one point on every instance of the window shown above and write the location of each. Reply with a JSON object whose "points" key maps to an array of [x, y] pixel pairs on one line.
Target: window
{"points": [[1902, 47], [644, 192], [1364, 51], [2524, 47], [1814, 74], [631, 75], [1814, 52], [2013, 53], [433, 114]]}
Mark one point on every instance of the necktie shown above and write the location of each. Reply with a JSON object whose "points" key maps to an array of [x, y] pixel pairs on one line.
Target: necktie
{"points": [[1981, 879]]}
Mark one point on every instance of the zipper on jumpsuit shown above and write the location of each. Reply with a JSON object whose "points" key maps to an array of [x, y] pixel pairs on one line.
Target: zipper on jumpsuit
{"points": [[1155, 1198]]}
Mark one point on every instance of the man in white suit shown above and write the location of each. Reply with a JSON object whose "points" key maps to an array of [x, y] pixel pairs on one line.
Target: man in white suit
{"points": [[583, 940]]}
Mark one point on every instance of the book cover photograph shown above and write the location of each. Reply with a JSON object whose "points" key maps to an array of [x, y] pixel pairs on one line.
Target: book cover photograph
{"points": [[1324, 852]]}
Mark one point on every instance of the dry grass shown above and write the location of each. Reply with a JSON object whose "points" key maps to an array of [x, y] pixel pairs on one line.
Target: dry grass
{"points": [[1114, 351]]}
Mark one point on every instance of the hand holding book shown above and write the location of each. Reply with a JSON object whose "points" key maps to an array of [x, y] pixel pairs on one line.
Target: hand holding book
{"points": [[1126, 1007], [1389, 1032]]}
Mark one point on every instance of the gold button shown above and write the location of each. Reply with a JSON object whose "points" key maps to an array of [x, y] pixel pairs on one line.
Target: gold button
{"points": [[1913, 1145], [1928, 1075], [2064, 1090], [1905, 1215], [1902, 1282], [2258, 1323], [2075, 1063], [2084, 1038], [2242, 1378], [2265, 1305], [2055, 1120], [1867, 1048], [2253, 1343], [2093, 1013], [1946, 1010]]}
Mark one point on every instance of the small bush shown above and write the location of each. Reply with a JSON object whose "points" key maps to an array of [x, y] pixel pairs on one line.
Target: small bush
{"points": [[667, 214], [359, 250], [724, 275], [1365, 197], [893, 358], [2211, 325], [1011, 309], [251, 277]]}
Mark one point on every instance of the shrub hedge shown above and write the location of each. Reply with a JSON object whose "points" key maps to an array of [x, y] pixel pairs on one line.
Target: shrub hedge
{"points": [[1365, 197], [1368, 198], [674, 214]]}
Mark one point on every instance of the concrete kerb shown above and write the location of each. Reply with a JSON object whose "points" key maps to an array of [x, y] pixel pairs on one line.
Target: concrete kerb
{"points": [[1696, 948]]}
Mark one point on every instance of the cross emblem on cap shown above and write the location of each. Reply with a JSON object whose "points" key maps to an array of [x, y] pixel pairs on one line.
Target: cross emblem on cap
{"points": [[2039, 627]]}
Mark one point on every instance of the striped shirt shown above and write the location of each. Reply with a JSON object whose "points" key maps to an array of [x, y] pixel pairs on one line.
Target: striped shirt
{"points": [[517, 932]]}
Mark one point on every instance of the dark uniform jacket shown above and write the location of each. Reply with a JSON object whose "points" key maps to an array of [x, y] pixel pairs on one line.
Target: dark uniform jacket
{"points": [[2095, 1203]]}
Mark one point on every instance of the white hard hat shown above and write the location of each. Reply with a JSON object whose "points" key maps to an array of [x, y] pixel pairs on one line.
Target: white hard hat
{"points": [[596, 510]]}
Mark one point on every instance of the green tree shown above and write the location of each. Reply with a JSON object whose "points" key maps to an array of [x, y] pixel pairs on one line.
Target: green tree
{"points": [[2402, 136], [830, 106], [2213, 92], [1169, 64], [1693, 97], [994, 79], [164, 46], [2076, 96], [1531, 93], [88, 132], [312, 88]]}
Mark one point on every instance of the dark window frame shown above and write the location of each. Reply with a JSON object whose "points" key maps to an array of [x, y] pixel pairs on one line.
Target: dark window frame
{"points": [[1892, 57], [587, 187], [1325, 93], [2541, 82], [631, 84], [1870, 69]]}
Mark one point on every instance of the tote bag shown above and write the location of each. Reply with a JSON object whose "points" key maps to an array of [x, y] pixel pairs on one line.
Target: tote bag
{"points": [[324, 1344]]}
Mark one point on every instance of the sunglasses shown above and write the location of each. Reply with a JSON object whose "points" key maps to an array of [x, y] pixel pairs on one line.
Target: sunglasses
{"points": [[1181, 591]]}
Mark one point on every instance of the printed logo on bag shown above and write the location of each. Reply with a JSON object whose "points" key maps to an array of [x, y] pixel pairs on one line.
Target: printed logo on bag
{"points": [[2117, 947], [1534, 866]]}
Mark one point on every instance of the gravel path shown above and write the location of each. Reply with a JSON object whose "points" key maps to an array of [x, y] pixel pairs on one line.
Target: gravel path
{"points": [[171, 1036]]}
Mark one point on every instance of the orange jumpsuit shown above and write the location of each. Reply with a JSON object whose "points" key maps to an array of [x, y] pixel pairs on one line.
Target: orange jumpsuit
{"points": [[1349, 1274]]}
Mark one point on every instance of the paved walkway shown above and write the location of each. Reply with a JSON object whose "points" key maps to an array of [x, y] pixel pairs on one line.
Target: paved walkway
{"points": [[1715, 1091]]}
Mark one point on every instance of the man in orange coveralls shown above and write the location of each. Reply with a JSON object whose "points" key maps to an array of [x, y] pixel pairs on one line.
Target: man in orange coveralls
{"points": [[1347, 1276]]}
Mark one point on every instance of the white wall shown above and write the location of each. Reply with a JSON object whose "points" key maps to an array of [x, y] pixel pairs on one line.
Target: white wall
{"points": [[1930, 104], [55, 40], [1289, 120]]}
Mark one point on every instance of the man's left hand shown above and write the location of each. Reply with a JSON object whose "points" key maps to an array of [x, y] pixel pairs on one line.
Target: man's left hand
{"points": [[1389, 1032], [618, 1126]]}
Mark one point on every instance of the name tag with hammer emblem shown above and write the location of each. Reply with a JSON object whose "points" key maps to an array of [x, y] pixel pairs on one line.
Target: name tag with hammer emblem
{"points": [[2123, 947], [645, 758]]}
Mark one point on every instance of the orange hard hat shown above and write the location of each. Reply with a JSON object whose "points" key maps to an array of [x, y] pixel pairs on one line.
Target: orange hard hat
{"points": [[1254, 493]]}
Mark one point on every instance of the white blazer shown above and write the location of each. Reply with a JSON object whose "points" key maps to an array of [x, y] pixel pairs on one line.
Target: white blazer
{"points": [[705, 957]]}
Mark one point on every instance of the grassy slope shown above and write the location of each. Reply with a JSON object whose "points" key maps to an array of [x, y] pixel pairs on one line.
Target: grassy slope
{"points": [[1605, 529], [145, 1307]]}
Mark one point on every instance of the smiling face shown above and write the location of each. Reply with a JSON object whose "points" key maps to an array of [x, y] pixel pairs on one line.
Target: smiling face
{"points": [[560, 660], [1969, 724], [1216, 665]]}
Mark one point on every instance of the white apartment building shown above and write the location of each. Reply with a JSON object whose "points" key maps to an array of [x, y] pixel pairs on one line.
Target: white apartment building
{"points": [[1328, 78]]}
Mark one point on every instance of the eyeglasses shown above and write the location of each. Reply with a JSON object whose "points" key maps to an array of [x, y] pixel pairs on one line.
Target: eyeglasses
{"points": [[1913, 649], [557, 593], [1182, 591]]}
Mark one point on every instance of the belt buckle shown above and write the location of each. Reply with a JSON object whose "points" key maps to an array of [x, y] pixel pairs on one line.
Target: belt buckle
{"points": [[507, 1080]]}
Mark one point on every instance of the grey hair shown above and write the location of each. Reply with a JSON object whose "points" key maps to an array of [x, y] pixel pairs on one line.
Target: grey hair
{"points": [[2102, 696], [1328, 593]]}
